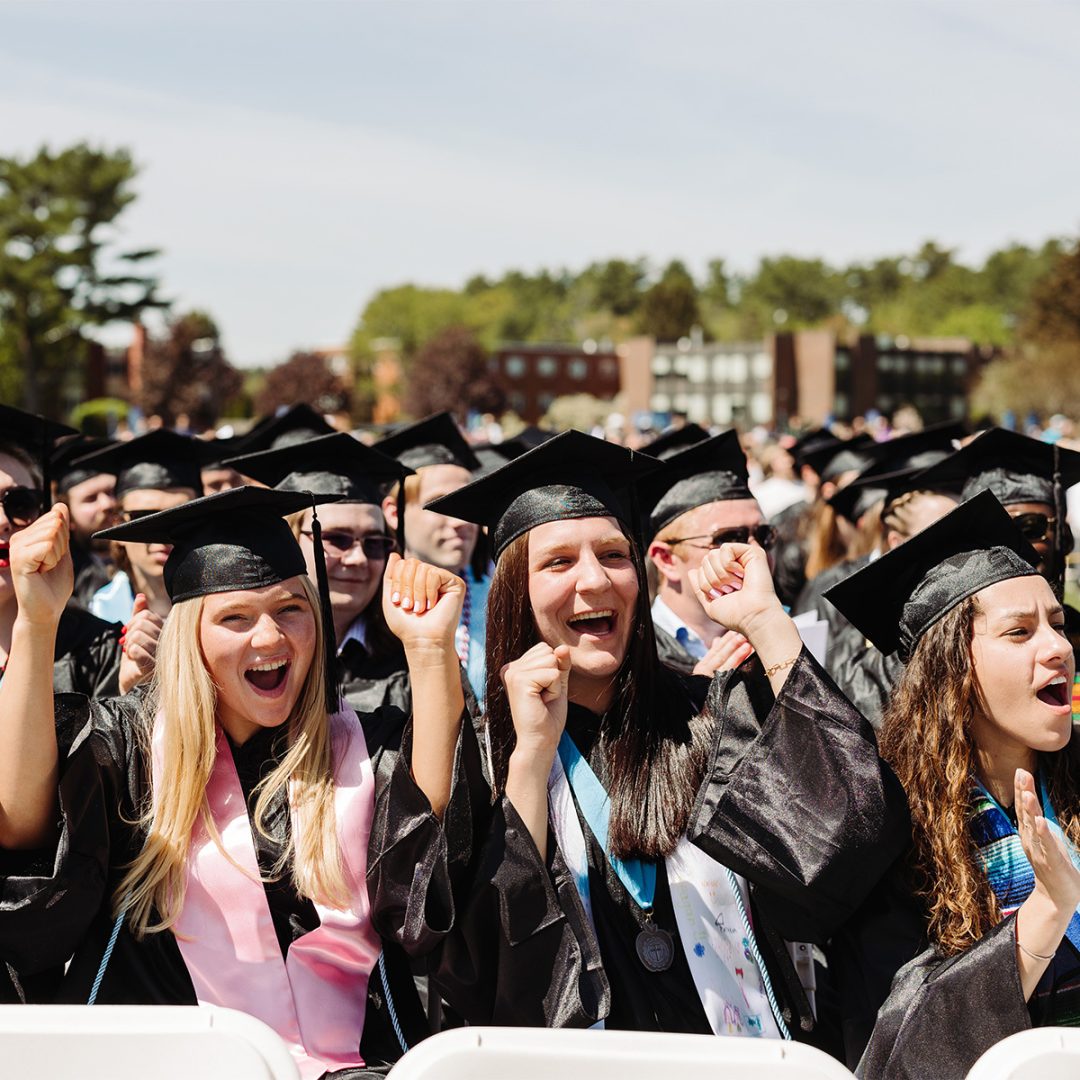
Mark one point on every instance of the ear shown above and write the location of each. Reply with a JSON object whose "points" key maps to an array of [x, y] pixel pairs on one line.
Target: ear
{"points": [[389, 509], [663, 558]]}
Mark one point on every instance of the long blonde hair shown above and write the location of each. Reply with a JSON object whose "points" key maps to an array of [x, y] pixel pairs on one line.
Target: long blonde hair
{"points": [[184, 694]]}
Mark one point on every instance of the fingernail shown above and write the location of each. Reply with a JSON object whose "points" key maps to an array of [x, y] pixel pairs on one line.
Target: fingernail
{"points": [[395, 598], [714, 595]]}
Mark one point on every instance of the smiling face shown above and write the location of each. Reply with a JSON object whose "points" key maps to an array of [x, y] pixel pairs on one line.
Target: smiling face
{"points": [[13, 474], [258, 646], [435, 538], [1024, 665], [583, 589], [353, 578], [148, 560]]}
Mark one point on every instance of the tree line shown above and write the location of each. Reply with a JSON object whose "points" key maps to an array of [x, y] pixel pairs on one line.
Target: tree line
{"points": [[65, 272]]}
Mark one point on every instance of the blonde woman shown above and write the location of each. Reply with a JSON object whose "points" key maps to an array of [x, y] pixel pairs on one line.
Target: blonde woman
{"points": [[206, 842]]}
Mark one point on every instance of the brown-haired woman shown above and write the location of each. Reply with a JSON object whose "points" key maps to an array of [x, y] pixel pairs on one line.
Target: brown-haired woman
{"points": [[979, 730], [641, 820]]}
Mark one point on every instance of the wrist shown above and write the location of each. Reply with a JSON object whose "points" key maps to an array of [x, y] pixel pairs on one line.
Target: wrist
{"points": [[31, 629], [765, 622], [435, 655], [1042, 921], [532, 758]]}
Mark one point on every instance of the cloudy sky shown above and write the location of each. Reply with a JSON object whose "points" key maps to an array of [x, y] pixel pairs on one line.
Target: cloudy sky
{"points": [[298, 156]]}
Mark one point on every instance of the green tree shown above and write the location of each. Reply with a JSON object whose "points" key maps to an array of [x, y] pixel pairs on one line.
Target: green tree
{"points": [[789, 292], [411, 314], [61, 271], [669, 309]]}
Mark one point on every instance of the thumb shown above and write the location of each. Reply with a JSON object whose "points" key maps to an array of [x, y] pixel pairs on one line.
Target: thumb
{"points": [[141, 604], [562, 658]]}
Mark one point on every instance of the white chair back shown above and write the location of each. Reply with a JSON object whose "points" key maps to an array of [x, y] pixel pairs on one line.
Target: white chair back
{"points": [[538, 1054], [134, 1042], [1048, 1053]]}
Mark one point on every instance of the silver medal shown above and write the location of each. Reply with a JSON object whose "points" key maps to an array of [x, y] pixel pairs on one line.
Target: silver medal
{"points": [[655, 948]]}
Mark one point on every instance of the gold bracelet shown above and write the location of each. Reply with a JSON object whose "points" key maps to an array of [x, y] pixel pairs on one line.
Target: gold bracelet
{"points": [[771, 671], [1034, 955]]}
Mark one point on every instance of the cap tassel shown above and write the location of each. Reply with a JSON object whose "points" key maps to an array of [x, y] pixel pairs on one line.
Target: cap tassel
{"points": [[333, 696], [1060, 554], [46, 467], [400, 530]]}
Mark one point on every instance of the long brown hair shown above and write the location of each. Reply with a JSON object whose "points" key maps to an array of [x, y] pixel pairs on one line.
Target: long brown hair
{"points": [[653, 749], [926, 738]]}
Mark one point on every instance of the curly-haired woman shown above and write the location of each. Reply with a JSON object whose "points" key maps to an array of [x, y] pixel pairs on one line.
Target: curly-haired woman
{"points": [[979, 731]]}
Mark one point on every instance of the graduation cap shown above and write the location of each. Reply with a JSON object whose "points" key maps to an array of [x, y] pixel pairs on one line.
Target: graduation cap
{"points": [[292, 427], [334, 464], [215, 453], [66, 473], [812, 441], [1016, 468], [433, 441], [896, 465], [160, 460], [710, 471], [233, 540], [674, 439], [571, 476], [35, 435], [897, 598]]}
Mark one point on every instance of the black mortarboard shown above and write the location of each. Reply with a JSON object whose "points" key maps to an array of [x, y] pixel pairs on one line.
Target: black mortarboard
{"points": [[295, 425], [160, 460], [35, 435], [1016, 468], [65, 472], [570, 476], [706, 472], [214, 453], [850, 455], [897, 598], [235, 539], [896, 463], [433, 441], [334, 464], [494, 456], [673, 440], [811, 441]]}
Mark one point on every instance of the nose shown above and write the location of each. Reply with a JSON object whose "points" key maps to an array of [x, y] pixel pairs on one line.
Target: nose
{"points": [[266, 633], [354, 556], [1053, 646], [591, 576]]}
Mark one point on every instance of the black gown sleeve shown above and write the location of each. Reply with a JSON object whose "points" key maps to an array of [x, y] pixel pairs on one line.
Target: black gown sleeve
{"points": [[798, 802], [943, 1014], [867, 676], [87, 658], [48, 899]]}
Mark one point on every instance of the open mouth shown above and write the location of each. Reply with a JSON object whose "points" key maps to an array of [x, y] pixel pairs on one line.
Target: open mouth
{"points": [[1055, 693], [5, 559], [268, 678], [598, 623]]}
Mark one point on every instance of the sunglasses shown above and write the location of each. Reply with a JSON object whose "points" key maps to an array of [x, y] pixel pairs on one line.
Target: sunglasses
{"points": [[341, 543], [763, 535], [22, 505], [1035, 527]]}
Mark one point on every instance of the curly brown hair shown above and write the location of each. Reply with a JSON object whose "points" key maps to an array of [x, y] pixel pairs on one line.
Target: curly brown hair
{"points": [[926, 738]]}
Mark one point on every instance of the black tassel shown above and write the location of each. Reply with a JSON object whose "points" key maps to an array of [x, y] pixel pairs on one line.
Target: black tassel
{"points": [[46, 467], [333, 696], [1060, 554], [401, 517]]}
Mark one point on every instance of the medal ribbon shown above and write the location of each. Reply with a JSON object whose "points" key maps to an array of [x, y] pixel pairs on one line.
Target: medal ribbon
{"points": [[638, 877]]}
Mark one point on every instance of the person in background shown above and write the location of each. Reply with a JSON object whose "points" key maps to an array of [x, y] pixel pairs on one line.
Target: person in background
{"points": [[90, 496], [443, 461], [698, 500]]}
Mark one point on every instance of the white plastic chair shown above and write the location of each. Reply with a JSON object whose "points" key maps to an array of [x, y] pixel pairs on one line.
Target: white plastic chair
{"points": [[1049, 1053], [134, 1042], [538, 1054]]}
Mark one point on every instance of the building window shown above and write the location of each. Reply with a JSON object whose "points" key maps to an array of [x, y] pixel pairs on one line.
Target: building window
{"points": [[720, 369], [544, 401], [660, 403], [739, 368], [762, 367], [515, 366], [843, 361], [721, 409], [547, 366], [761, 407], [517, 402], [661, 365], [696, 369], [578, 369], [697, 408], [959, 365], [609, 368]]}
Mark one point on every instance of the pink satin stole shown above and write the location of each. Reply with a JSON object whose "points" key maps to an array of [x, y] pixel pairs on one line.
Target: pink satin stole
{"points": [[315, 999]]}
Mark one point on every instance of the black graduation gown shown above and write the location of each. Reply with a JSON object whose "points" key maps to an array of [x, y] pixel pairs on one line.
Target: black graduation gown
{"points": [[795, 799], [87, 656], [91, 574], [672, 654], [56, 905]]}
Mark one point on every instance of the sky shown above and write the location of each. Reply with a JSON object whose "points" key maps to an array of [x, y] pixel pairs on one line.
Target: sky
{"points": [[296, 157]]}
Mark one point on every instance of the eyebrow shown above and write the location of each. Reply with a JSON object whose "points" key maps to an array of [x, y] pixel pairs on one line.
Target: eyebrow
{"points": [[239, 605], [1028, 613], [574, 545]]}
